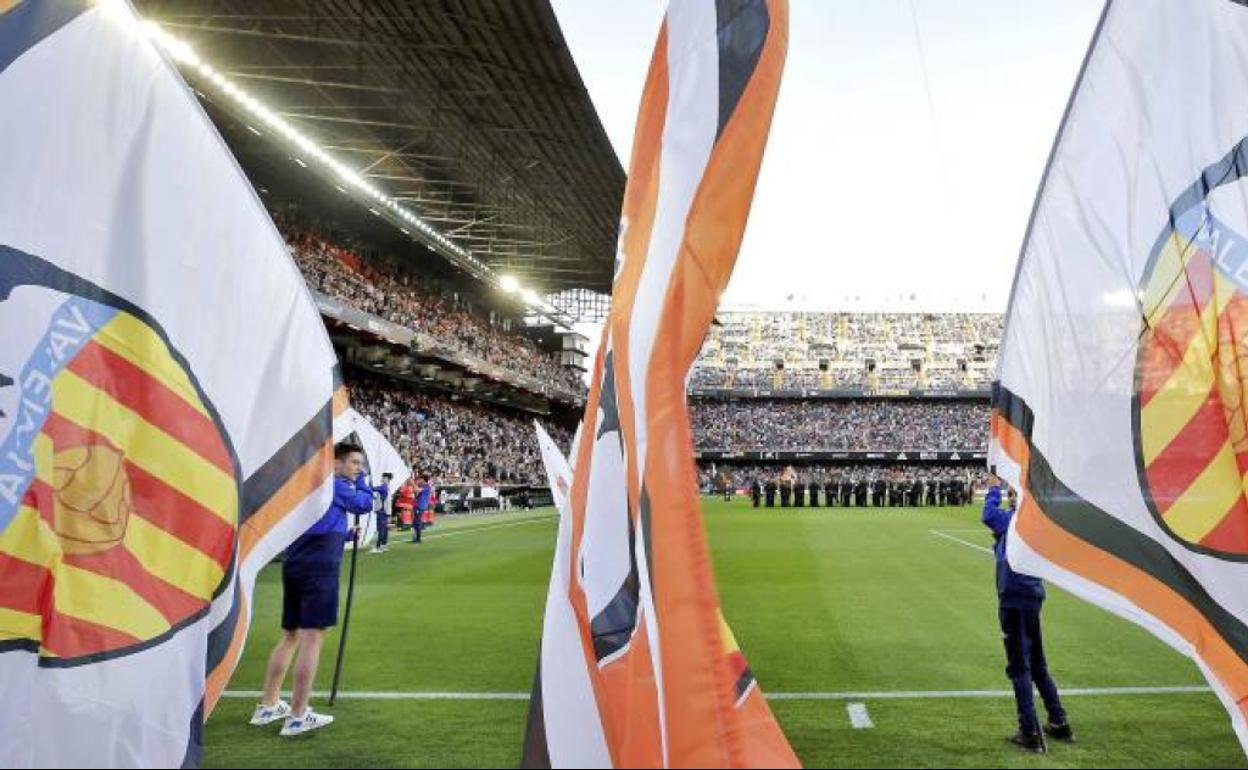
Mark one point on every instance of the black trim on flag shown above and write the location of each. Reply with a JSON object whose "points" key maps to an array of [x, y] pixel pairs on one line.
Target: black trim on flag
{"points": [[1080, 518], [612, 628], [229, 570], [536, 752], [608, 402], [28, 23], [741, 26], [219, 638], [195, 738], [19, 645], [1013, 410], [645, 535], [743, 683], [260, 487]]}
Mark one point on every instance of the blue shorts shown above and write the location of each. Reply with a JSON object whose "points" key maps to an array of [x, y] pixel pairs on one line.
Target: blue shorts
{"points": [[309, 601]]}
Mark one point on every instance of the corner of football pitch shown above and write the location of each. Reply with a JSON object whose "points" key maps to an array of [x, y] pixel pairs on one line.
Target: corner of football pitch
{"points": [[893, 609]]}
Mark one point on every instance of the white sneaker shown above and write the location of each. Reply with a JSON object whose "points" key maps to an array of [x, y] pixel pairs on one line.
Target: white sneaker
{"points": [[267, 715], [305, 724], [377, 550]]}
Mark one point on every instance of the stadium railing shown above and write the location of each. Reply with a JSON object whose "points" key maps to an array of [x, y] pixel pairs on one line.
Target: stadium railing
{"points": [[428, 345]]}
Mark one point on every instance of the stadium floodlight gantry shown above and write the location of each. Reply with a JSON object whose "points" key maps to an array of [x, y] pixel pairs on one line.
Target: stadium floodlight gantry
{"points": [[466, 125]]}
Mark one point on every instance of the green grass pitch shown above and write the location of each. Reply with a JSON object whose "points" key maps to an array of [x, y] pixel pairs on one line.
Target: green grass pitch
{"points": [[821, 601]]}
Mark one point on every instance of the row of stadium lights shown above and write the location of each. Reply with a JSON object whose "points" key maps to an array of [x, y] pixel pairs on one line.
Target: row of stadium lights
{"points": [[182, 53]]}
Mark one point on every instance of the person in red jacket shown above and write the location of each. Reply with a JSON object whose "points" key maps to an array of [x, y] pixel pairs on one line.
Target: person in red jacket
{"points": [[405, 503]]}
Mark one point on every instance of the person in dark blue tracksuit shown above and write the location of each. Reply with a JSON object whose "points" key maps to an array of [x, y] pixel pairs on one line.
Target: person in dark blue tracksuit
{"points": [[1020, 598], [382, 491], [423, 498], [310, 598]]}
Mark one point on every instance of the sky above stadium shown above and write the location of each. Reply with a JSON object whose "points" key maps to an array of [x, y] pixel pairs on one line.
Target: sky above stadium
{"points": [[908, 142]]}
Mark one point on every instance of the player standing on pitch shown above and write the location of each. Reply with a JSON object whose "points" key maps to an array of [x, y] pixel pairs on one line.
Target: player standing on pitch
{"points": [[1020, 598], [310, 598]]}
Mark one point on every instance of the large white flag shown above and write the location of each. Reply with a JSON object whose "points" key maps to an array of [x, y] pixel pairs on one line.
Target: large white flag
{"points": [[558, 471], [380, 457], [1120, 403], [166, 396]]}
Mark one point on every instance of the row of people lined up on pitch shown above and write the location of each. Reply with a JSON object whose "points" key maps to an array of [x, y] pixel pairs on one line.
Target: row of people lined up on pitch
{"points": [[879, 493]]}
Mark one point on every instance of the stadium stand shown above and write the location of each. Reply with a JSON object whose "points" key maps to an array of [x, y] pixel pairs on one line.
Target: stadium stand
{"points": [[862, 352], [878, 425], [461, 440], [454, 440], [831, 391], [345, 274]]}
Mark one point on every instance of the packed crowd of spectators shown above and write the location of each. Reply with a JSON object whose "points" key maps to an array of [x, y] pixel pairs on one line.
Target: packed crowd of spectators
{"points": [[862, 351], [454, 440], [874, 486], [342, 273], [879, 425]]}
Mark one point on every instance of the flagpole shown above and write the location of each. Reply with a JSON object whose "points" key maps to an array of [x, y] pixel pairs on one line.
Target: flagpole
{"points": [[346, 618]]}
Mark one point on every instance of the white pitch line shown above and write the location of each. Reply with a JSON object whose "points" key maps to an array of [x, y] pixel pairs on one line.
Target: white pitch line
{"points": [[470, 530], [776, 696], [396, 695], [858, 716], [966, 543], [933, 694]]}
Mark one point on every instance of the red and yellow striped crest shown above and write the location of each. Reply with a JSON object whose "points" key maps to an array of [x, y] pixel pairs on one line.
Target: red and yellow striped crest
{"points": [[123, 489], [1191, 428]]}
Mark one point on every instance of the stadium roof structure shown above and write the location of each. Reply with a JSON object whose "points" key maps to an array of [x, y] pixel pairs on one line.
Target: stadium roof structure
{"points": [[471, 115]]}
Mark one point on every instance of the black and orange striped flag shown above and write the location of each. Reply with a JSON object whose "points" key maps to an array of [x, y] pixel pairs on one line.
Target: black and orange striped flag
{"points": [[167, 395], [638, 667], [1119, 410]]}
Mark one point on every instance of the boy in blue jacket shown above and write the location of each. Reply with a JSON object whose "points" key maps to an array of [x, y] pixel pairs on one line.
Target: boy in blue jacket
{"points": [[310, 598], [423, 500], [1019, 599], [382, 492]]}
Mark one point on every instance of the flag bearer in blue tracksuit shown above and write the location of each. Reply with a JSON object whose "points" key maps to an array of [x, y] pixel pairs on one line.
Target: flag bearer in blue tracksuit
{"points": [[1019, 599], [310, 598], [382, 492], [423, 498]]}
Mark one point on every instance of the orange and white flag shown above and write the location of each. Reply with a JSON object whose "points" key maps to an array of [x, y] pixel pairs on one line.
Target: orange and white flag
{"points": [[638, 667], [1119, 410]]}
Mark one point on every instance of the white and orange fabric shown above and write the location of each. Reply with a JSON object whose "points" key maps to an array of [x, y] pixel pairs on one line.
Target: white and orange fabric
{"points": [[638, 667], [1119, 410]]}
